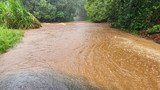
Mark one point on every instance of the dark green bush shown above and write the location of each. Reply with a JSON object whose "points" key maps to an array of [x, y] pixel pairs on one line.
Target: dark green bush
{"points": [[14, 15]]}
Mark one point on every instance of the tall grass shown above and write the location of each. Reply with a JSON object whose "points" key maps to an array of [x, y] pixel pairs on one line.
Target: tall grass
{"points": [[8, 38], [14, 15]]}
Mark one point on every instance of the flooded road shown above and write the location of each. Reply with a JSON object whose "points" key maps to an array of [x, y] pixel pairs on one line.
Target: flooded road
{"points": [[81, 56]]}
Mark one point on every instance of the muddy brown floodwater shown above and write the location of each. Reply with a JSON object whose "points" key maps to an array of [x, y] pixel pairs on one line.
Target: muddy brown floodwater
{"points": [[81, 56]]}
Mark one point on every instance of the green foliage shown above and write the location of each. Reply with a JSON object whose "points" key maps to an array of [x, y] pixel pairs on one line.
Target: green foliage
{"points": [[154, 29], [60, 16], [13, 15], [127, 14], [67, 7], [42, 9], [134, 14], [8, 38], [97, 10], [54, 10]]}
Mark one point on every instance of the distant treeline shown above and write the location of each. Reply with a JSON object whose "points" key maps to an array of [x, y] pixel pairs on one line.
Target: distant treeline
{"points": [[56, 10], [133, 15]]}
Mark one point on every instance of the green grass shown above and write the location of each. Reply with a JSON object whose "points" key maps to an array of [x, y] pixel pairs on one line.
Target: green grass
{"points": [[9, 38]]}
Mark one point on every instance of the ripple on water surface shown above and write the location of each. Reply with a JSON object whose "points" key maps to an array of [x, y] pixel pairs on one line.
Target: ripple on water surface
{"points": [[81, 56]]}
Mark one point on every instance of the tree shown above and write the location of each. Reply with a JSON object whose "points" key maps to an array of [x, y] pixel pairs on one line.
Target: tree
{"points": [[42, 9], [53, 10], [97, 10]]}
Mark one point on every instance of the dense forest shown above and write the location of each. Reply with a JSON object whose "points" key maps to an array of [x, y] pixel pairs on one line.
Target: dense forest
{"points": [[131, 15], [55, 10]]}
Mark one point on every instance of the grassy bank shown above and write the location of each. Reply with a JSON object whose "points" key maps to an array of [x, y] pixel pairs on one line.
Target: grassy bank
{"points": [[13, 16], [9, 38]]}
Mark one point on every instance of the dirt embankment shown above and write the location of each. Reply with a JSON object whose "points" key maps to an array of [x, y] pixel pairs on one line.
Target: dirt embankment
{"points": [[154, 36]]}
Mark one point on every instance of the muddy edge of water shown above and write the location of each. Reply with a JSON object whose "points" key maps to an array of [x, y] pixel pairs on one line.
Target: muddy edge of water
{"points": [[81, 56]]}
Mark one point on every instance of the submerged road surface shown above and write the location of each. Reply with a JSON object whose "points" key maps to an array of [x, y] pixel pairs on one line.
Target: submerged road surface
{"points": [[81, 56]]}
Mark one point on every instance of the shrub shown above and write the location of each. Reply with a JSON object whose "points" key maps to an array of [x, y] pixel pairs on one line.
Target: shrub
{"points": [[14, 15], [154, 29], [8, 38]]}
